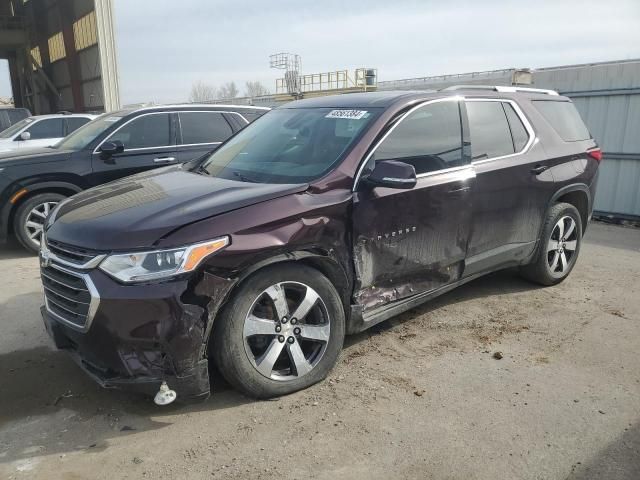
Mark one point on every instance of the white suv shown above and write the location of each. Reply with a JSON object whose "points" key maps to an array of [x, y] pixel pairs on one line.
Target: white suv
{"points": [[41, 131]]}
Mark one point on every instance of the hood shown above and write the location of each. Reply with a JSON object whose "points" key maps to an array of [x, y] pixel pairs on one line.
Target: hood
{"points": [[137, 211], [26, 156]]}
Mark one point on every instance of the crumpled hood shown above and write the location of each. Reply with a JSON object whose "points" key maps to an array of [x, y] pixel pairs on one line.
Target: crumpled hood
{"points": [[137, 211], [25, 156]]}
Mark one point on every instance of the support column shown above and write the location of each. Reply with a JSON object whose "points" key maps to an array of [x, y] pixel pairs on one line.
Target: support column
{"points": [[73, 61], [107, 49]]}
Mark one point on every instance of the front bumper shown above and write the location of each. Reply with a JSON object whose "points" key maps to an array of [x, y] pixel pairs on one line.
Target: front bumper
{"points": [[139, 336]]}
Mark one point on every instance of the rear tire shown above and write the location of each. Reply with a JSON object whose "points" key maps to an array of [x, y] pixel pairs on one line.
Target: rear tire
{"points": [[30, 216], [259, 345], [559, 246]]}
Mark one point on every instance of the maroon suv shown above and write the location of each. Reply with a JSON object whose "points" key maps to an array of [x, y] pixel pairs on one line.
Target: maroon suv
{"points": [[322, 218]]}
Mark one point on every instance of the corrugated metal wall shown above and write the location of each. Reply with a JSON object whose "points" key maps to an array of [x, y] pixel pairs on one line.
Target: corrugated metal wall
{"points": [[608, 98]]}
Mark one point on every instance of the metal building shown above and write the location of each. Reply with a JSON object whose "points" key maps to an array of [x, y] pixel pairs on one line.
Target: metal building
{"points": [[61, 54], [607, 94]]}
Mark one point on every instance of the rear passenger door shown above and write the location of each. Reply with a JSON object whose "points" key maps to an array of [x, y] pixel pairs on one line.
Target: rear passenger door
{"points": [[411, 241], [149, 142], [200, 132], [512, 188]]}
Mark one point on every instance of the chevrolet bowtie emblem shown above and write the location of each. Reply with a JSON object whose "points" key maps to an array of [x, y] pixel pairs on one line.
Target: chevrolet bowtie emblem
{"points": [[45, 259]]}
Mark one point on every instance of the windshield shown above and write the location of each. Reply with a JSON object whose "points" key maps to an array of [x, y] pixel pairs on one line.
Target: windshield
{"points": [[15, 128], [88, 132], [289, 145]]}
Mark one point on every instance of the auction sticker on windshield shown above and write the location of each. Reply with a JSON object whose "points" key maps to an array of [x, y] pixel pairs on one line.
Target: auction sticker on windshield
{"points": [[348, 114]]}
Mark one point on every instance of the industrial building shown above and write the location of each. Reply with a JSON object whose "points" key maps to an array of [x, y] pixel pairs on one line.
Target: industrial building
{"points": [[61, 54]]}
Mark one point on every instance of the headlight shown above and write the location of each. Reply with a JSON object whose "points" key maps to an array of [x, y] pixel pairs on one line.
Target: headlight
{"points": [[142, 266]]}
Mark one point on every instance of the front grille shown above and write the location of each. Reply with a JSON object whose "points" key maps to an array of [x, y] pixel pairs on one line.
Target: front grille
{"points": [[71, 255], [67, 295]]}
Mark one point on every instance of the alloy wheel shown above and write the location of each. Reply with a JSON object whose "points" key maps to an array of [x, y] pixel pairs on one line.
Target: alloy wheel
{"points": [[562, 245], [286, 331], [34, 223]]}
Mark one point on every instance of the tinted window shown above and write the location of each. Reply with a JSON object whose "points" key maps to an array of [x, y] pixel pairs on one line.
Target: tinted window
{"points": [[145, 131], [289, 145], [430, 139], [564, 118], [49, 128], [490, 135], [203, 127], [518, 132], [75, 123]]}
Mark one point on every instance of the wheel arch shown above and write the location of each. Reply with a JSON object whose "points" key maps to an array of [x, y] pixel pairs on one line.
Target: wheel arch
{"points": [[577, 195], [322, 261], [63, 188]]}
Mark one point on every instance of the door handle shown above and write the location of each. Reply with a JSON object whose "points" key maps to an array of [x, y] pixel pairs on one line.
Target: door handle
{"points": [[538, 169], [164, 159]]}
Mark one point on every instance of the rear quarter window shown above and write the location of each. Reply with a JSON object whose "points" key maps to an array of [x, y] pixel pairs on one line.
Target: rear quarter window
{"points": [[564, 118]]}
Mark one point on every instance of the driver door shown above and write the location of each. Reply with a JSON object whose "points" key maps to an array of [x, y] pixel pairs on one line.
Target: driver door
{"points": [[149, 142], [408, 242]]}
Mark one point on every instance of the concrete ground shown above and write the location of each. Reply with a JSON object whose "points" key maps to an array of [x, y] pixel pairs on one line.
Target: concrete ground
{"points": [[420, 397]]}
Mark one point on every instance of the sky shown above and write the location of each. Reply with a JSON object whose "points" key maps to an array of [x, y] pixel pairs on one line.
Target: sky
{"points": [[164, 46]]}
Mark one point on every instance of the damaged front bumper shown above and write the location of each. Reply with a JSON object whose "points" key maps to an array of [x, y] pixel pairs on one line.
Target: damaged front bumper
{"points": [[142, 335]]}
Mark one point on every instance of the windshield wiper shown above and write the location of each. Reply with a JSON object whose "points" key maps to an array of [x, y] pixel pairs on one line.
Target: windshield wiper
{"points": [[244, 178]]}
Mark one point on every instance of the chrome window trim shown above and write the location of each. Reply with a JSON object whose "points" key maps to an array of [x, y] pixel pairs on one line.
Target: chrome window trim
{"points": [[205, 111], [447, 170], [525, 121], [363, 163], [97, 149], [202, 105], [93, 304]]}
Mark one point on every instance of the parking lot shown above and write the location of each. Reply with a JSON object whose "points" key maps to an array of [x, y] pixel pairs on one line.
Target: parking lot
{"points": [[424, 395]]}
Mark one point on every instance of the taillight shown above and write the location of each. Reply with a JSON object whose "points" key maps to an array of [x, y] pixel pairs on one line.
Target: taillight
{"points": [[596, 154]]}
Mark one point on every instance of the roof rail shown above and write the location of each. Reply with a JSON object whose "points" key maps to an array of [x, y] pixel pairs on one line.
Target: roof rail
{"points": [[502, 88]]}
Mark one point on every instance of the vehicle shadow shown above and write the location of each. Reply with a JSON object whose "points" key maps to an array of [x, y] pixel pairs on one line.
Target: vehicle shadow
{"points": [[46, 398], [13, 250], [503, 282], [620, 460], [45, 395]]}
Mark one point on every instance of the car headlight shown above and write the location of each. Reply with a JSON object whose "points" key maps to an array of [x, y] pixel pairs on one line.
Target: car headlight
{"points": [[142, 266]]}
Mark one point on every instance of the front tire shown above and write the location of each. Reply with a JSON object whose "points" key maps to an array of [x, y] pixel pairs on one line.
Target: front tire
{"points": [[281, 332], [559, 246], [29, 219]]}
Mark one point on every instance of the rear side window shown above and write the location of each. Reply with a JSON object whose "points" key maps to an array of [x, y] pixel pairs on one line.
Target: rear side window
{"points": [[490, 134], [564, 118], [518, 132], [146, 131], [430, 139], [75, 123], [48, 128], [203, 127]]}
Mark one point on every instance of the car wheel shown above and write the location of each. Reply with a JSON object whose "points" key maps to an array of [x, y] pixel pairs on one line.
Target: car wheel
{"points": [[559, 246], [29, 219], [281, 332]]}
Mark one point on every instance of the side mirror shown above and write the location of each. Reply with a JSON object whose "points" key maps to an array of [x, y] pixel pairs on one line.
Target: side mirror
{"points": [[392, 174], [25, 136], [111, 148]]}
